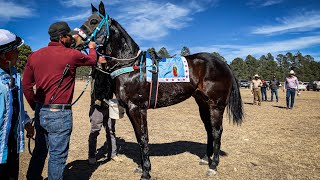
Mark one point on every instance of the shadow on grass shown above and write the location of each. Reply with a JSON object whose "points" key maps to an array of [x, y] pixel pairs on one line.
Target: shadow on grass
{"points": [[247, 103], [81, 170], [131, 149], [280, 107]]}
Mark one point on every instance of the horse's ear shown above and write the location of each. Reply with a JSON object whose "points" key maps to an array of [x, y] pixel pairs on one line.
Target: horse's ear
{"points": [[93, 8], [101, 9]]}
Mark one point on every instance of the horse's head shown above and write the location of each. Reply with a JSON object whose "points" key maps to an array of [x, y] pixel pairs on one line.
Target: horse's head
{"points": [[112, 40], [95, 28]]}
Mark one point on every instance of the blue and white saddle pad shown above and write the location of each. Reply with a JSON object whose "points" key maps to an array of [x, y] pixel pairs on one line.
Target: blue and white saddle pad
{"points": [[174, 69]]}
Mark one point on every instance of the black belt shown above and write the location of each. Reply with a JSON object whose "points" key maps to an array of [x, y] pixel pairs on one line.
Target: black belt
{"points": [[57, 106]]}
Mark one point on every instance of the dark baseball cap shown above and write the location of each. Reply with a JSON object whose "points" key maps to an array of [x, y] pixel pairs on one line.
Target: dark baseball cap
{"points": [[60, 28]]}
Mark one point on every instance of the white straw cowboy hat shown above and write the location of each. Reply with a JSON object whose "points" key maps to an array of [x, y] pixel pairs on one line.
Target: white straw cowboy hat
{"points": [[9, 41], [256, 75], [291, 72]]}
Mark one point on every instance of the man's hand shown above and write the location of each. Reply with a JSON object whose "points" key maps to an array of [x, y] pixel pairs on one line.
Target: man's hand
{"points": [[30, 130], [92, 45]]}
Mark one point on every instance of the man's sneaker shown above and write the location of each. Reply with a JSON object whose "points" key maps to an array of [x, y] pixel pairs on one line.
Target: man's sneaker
{"points": [[92, 161], [116, 159]]}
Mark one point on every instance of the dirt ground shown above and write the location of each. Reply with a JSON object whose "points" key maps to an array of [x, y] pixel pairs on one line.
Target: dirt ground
{"points": [[272, 142]]}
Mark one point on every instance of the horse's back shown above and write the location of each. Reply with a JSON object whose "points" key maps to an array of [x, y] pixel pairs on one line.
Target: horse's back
{"points": [[208, 74], [209, 66]]}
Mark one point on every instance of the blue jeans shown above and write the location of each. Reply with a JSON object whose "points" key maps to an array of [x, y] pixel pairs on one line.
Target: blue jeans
{"points": [[264, 94], [40, 150], [58, 127], [290, 92], [275, 92]]}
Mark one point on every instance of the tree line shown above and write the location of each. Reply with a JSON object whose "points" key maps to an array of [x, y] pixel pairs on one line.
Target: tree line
{"points": [[305, 66]]}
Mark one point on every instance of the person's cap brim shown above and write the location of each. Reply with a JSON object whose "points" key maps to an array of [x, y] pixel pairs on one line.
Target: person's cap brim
{"points": [[21, 42]]}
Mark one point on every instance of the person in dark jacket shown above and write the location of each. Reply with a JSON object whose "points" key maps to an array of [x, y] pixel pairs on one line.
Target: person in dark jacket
{"points": [[274, 86], [264, 90], [101, 91]]}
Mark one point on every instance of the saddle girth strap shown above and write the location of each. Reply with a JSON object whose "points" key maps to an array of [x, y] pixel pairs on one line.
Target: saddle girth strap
{"points": [[154, 85]]}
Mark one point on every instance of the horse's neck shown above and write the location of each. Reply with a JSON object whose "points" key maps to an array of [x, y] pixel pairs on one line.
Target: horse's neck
{"points": [[128, 47], [126, 52]]}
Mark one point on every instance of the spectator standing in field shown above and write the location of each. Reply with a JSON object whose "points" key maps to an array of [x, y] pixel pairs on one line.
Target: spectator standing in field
{"points": [[13, 118], [274, 86], [264, 90], [256, 90], [291, 84], [52, 70]]}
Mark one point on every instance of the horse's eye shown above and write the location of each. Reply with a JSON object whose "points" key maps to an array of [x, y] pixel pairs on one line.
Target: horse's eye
{"points": [[93, 22]]}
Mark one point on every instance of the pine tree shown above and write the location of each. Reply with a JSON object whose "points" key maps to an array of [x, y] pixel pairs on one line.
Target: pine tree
{"points": [[24, 52]]}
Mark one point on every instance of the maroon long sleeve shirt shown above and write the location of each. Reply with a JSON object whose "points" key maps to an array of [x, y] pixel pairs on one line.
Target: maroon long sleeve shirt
{"points": [[44, 70]]}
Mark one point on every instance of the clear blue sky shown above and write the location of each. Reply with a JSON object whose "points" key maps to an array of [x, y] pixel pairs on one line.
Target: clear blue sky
{"points": [[233, 28]]}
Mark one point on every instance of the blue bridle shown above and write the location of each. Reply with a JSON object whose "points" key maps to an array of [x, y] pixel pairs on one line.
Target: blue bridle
{"points": [[104, 21]]}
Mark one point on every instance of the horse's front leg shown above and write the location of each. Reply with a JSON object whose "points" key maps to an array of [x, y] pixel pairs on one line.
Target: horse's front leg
{"points": [[138, 118]]}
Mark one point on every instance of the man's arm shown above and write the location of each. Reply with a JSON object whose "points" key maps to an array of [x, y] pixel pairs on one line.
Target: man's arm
{"points": [[28, 126], [297, 83], [87, 60], [27, 84]]}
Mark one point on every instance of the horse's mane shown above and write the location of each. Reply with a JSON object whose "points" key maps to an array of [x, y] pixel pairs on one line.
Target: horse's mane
{"points": [[132, 45]]}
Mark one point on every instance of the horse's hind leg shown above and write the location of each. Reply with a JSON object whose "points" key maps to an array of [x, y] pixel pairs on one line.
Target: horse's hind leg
{"points": [[212, 116]]}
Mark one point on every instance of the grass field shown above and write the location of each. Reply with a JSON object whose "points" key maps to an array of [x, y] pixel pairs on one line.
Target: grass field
{"points": [[272, 142]]}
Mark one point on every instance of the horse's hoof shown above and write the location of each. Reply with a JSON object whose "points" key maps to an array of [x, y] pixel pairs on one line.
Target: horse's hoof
{"points": [[203, 162], [211, 172], [145, 176], [138, 170]]}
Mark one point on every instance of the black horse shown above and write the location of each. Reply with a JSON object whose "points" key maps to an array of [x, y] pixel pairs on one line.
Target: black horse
{"points": [[212, 84]]}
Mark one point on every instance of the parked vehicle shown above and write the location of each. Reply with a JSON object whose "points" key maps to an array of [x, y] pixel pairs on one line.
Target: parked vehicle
{"points": [[310, 86], [302, 86], [244, 83], [316, 85]]}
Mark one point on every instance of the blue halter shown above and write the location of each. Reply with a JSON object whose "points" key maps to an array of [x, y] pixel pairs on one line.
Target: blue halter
{"points": [[105, 22]]}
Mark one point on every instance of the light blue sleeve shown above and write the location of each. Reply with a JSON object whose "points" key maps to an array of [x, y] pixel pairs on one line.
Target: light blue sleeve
{"points": [[2, 104]]}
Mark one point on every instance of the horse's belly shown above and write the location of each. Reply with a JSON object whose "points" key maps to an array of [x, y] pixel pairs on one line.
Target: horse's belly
{"points": [[173, 93]]}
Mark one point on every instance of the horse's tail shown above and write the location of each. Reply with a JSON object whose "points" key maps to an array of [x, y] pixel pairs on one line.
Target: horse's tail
{"points": [[235, 106]]}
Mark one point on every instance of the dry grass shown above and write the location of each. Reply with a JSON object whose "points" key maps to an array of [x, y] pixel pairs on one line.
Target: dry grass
{"points": [[272, 143]]}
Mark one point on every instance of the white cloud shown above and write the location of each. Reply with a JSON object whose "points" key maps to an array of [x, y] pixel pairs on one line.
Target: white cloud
{"points": [[201, 5], [10, 10], [232, 51], [77, 17], [86, 3], [152, 20], [264, 3], [147, 19], [271, 2], [297, 23]]}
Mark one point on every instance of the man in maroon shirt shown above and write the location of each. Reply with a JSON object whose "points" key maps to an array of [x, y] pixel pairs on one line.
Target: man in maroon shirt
{"points": [[53, 97]]}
